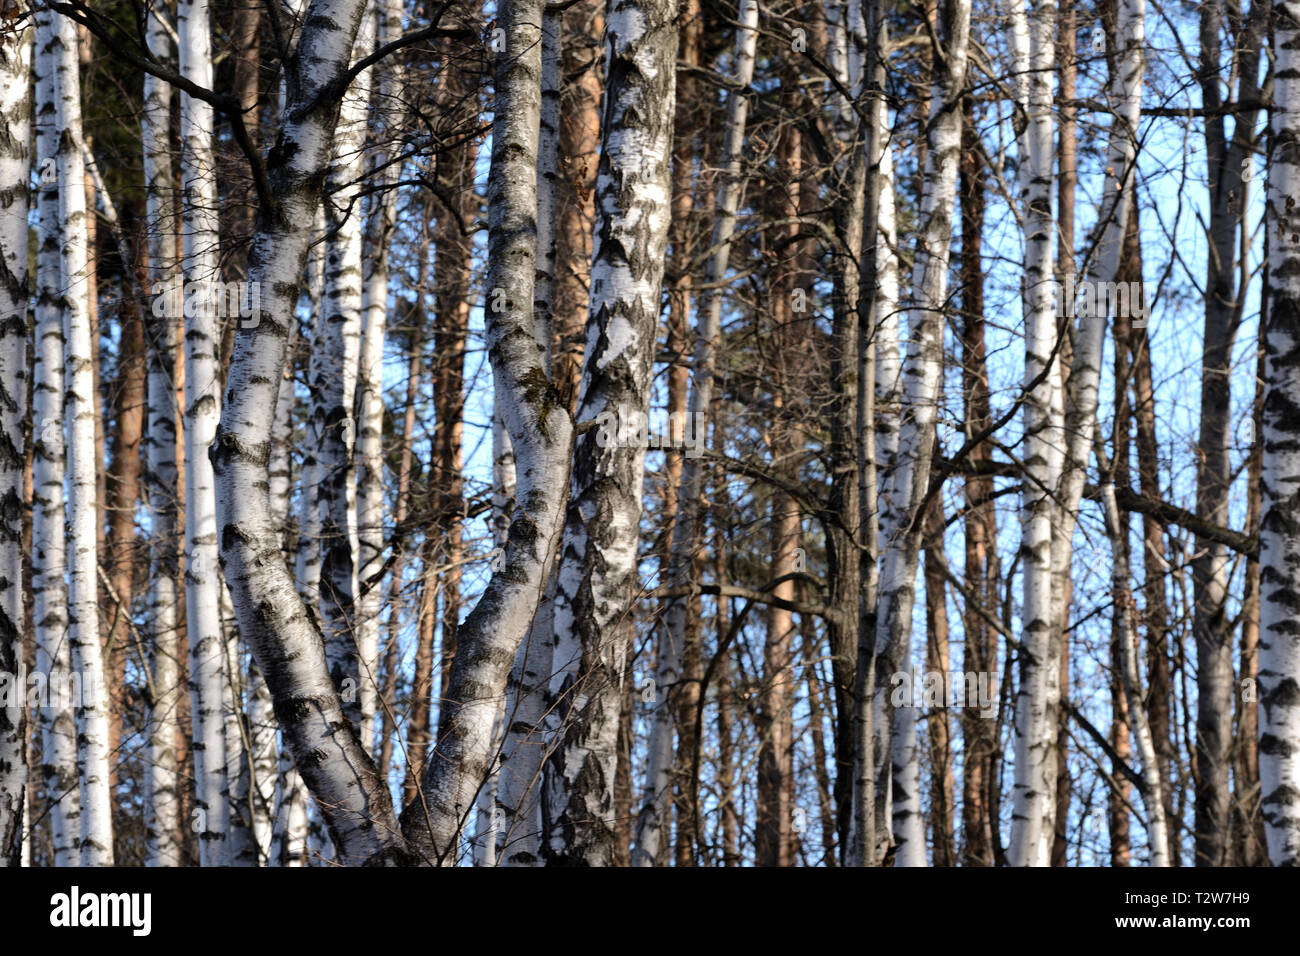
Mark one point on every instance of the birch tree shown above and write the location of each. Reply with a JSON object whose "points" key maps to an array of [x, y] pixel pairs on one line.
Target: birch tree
{"points": [[79, 429], [1279, 542], [57, 721], [597, 573], [516, 808], [370, 387], [541, 434], [285, 639], [15, 199], [1035, 728], [909, 482], [199, 270], [160, 456], [335, 389]]}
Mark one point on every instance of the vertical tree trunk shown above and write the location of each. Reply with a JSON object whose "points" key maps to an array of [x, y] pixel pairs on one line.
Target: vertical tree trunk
{"points": [[335, 393], [200, 271], [598, 562], [49, 547], [1279, 541], [370, 390], [520, 776], [79, 418], [652, 819], [922, 371], [160, 464], [272, 618], [937, 662], [15, 169], [541, 434], [1210, 569], [979, 653], [1067, 181], [1035, 727]]}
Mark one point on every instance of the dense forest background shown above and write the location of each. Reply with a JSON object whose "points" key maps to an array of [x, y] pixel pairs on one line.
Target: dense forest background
{"points": [[669, 432]]}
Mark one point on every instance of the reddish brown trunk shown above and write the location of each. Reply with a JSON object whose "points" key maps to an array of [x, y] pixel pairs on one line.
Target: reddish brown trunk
{"points": [[979, 653]]}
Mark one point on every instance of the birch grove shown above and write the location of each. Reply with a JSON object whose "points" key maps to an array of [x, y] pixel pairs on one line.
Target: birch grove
{"points": [[649, 433]]}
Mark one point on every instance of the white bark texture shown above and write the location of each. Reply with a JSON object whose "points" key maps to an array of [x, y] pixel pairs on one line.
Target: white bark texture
{"points": [[922, 374], [370, 384], [514, 819], [1034, 790], [164, 820], [541, 436], [1279, 535], [58, 722], [597, 576], [79, 429], [15, 200], [285, 639], [200, 271], [334, 389]]}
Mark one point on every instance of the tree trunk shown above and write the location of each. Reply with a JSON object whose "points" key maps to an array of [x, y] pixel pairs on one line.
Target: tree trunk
{"points": [[597, 574], [652, 817], [1279, 540], [15, 169], [161, 490], [284, 638], [79, 418], [59, 770], [541, 434]]}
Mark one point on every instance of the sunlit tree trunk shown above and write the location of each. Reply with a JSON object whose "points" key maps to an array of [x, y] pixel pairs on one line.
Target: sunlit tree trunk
{"points": [[82, 465], [1279, 540], [921, 373], [160, 464], [15, 169], [49, 547], [598, 561]]}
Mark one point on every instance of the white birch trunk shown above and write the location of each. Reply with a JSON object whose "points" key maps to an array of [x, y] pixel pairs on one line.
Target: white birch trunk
{"points": [[49, 547], [1279, 538], [164, 821], [289, 841], [273, 619], [513, 820], [541, 436], [652, 819], [922, 374], [335, 393], [200, 270], [1034, 790], [15, 200], [597, 576], [79, 426], [370, 393]]}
